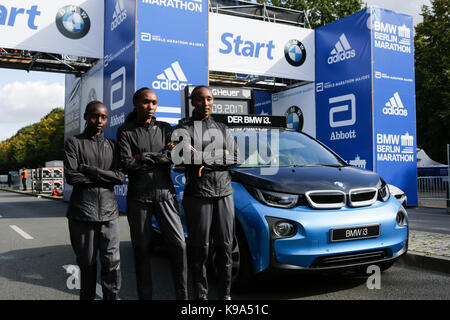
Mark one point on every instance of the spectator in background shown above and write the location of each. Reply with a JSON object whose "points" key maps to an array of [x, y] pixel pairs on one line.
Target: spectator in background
{"points": [[24, 175]]}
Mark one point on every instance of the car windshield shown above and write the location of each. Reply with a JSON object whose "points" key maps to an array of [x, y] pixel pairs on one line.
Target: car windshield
{"points": [[283, 148]]}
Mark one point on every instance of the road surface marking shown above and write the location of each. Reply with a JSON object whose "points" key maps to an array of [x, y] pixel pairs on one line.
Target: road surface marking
{"points": [[70, 269], [21, 232]]}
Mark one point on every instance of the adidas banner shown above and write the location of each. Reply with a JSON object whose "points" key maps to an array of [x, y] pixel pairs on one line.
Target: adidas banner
{"points": [[172, 51], [343, 88], [261, 48], [394, 111]]}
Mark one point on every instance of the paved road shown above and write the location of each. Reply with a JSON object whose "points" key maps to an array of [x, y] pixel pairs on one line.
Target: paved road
{"points": [[429, 220], [34, 257]]}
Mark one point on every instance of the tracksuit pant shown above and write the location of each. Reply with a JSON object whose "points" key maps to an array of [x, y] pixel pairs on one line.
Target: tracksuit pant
{"points": [[89, 238], [140, 220], [210, 218]]}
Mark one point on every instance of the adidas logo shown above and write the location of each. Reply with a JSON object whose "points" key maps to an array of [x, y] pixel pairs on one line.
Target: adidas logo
{"points": [[395, 107], [119, 15], [342, 51], [172, 78]]}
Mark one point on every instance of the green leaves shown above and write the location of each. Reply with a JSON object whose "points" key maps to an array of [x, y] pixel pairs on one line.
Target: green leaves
{"points": [[31, 146], [432, 69], [320, 12]]}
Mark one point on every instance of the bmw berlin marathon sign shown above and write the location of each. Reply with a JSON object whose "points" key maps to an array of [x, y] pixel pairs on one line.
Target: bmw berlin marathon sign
{"points": [[65, 27]]}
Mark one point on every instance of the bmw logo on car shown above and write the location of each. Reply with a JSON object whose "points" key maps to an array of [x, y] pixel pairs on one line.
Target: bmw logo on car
{"points": [[339, 184], [73, 22], [295, 53], [294, 118]]}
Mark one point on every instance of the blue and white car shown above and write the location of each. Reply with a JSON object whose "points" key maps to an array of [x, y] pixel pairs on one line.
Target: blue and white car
{"points": [[304, 208]]}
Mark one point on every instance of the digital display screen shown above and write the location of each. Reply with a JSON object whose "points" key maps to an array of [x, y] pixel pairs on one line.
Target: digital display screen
{"points": [[227, 100], [230, 107]]}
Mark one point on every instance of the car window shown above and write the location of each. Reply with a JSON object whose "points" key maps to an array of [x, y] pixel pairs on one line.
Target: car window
{"points": [[281, 148]]}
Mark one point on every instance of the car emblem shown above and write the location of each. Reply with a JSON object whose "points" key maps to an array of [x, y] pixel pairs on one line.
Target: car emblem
{"points": [[339, 184]]}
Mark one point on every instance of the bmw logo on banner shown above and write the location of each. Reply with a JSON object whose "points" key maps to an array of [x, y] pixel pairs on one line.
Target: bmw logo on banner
{"points": [[294, 118], [73, 22], [295, 53]]}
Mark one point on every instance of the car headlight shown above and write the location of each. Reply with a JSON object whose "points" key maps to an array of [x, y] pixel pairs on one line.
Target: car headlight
{"points": [[384, 192], [275, 199]]}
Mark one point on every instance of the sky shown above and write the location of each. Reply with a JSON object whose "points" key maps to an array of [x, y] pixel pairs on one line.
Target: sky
{"points": [[26, 97]]}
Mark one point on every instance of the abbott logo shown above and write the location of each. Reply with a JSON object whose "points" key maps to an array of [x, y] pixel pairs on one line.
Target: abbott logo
{"points": [[395, 107], [342, 51], [119, 15], [343, 108], [118, 88], [172, 78]]}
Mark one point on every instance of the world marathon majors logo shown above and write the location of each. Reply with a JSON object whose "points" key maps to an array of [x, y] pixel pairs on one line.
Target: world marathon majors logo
{"points": [[73, 22], [295, 53]]}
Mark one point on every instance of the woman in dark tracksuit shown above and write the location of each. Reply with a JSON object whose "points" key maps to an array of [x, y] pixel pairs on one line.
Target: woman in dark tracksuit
{"points": [[144, 146], [91, 166], [208, 195]]}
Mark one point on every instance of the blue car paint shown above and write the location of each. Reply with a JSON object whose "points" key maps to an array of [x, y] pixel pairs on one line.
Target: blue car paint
{"points": [[312, 239]]}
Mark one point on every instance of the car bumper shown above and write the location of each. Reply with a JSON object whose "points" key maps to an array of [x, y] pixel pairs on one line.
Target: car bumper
{"points": [[311, 247]]}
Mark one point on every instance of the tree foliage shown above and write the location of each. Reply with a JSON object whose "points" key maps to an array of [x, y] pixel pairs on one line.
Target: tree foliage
{"points": [[320, 12], [31, 146], [432, 69]]}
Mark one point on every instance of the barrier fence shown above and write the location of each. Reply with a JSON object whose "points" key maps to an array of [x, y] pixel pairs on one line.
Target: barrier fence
{"points": [[432, 188]]}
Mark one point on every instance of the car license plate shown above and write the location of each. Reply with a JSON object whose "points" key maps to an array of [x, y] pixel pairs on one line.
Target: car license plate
{"points": [[355, 233]]}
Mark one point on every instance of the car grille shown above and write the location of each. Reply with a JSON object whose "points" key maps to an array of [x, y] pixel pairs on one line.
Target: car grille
{"points": [[335, 199], [326, 199], [349, 259], [362, 197]]}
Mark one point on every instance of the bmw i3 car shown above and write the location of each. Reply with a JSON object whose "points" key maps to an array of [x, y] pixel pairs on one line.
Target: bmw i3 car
{"points": [[299, 206]]}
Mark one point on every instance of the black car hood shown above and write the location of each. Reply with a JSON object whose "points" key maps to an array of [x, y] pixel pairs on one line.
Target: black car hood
{"points": [[298, 180]]}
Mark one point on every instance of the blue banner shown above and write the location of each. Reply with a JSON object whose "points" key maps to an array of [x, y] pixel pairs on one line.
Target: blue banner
{"points": [[394, 100], [343, 88], [118, 73], [262, 101], [172, 51]]}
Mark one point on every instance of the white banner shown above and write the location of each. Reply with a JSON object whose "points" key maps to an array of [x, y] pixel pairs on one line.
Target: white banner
{"points": [[73, 27], [263, 48], [298, 105]]}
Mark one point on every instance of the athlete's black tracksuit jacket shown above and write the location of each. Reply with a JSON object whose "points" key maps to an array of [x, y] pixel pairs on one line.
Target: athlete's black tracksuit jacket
{"points": [[91, 166], [151, 191], [208, 200]]}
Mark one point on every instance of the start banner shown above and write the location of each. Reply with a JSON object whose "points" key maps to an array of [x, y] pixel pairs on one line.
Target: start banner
{"points": [[73, 27], [264, 48]]}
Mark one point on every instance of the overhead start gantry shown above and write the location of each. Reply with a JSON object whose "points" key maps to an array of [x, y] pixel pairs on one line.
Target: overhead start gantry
{"points": [[44, 61]]}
